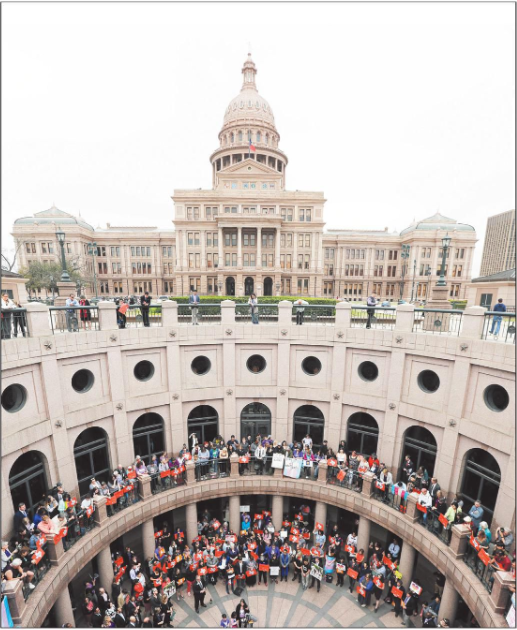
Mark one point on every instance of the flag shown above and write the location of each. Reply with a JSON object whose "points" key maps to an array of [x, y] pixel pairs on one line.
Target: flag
{"points": [[252, 146]]}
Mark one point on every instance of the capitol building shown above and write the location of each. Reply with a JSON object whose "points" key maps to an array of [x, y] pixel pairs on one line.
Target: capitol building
{"points": [[410, 459], [250, 234]]}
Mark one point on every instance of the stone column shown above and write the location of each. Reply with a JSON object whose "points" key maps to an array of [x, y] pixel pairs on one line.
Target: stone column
{"points": [[234, 465], [191, 513], [363, 534], [277, 248], [55, 551], [320, 514], [322, 472], [144, 487], [278, 511], [227, 312], [107, 316], [63, 608], [314, 253], [38, 319], [343, 315], [220, 248], [259, 247], [368, 480], [148, 538], [169, 313], [235, 516], [500, 594], [184, 251], [407, 563], [202, 236], [449, 603], [459, 540], [105, 568], [285, 312], [472, 322], [405, 317], [239, 247], [13, 590]]}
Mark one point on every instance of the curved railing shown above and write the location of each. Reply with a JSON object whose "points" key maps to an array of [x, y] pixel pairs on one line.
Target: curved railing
{"points": [[487, 607]]}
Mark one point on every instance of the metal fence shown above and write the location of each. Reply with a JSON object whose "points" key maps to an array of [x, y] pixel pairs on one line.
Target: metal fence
{"points": [[437, 321], [351, 479], [380, 317], [39, 570], [313, 314], [499, 326], [430, 520], [14, 323], [136, 317], [263, 313], [166, 480], [212, 468], [485, 573], [74, 318], [199, 314], [390, 496]]}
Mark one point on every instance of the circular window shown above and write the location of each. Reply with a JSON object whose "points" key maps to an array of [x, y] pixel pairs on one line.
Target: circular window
{"points": [[144, 370], [368, 371], [311, 366], [82, 381], [201, 365], [14, 398], [496, 398], [256, 364], [428, 381]]}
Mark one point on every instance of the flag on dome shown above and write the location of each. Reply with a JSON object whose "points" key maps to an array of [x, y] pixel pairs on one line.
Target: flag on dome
{"points": [[252, 146]]}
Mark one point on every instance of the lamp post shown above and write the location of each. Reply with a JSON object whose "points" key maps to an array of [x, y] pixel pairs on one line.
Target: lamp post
{"points": [[92, 249], [220, 287], [414, 278], [277, 288], [61, 240], [429, 273], [404, 255], [446, 241]]}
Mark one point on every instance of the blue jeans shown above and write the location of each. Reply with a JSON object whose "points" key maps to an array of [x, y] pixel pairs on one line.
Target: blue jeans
{"points": [[254, 317], [496, 325]]}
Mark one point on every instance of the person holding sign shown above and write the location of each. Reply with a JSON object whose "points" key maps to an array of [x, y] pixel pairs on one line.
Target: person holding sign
{"points": [[365, 589], [398, 592], [263, 569], [340, 572], [316, 573], [425, 501], [379, 579], [353, 573], [305, 572]]}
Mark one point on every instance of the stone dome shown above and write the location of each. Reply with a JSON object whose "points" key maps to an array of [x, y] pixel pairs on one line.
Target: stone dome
{"points": [[248, 104], [438, 222], [53, 216]]}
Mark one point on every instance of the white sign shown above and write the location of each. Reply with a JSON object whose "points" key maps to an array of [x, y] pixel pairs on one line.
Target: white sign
{"points": [[244, 508], [278, 460], [317, 572], [274, 571]]}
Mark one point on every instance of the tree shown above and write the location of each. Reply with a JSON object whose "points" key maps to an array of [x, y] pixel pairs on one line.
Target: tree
{"points": [[45, 276], [10, 255]]}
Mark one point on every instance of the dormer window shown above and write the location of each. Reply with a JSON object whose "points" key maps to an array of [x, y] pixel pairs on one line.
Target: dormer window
{"points": [[267, 139], [232, 138], [258, 136], [240, 136]]}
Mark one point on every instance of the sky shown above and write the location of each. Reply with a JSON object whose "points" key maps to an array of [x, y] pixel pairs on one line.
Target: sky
{"points": [[394, 111]]}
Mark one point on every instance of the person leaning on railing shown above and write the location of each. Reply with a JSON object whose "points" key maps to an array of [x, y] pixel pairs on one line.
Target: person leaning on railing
{"points": [[70, 313], [7, 307], [500, 307]]}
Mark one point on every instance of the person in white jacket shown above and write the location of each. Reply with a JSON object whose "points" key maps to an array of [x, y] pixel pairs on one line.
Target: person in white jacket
{"points": [[260, 458], [424, 498]]}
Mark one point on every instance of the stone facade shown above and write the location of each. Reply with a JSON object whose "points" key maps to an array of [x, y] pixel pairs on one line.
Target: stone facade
{"points": [[250, 233]]}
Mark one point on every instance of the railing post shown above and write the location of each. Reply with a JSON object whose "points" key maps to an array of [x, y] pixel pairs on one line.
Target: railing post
{"points": [[13, 590], [107, 316], [500, 593], [38, 320], [55, 550], [343, 314], [227, 312], [405, 317], [322, 472], [190, 466], [411, 511], [285, 313], [367, 484], [169, 313], [460, 535], [234, 465], [144, 487], [473, 321], [100, 514]]}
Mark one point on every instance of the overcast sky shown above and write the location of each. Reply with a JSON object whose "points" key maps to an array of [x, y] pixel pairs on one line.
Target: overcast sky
{"points": [[394, 111]]}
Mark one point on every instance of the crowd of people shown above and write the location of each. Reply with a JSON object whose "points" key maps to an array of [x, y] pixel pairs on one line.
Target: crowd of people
{"points": [[12, 320], [143, 591]]}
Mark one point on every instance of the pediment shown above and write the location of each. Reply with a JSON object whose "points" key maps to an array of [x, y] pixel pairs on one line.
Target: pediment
{"points": [[248, 167]]}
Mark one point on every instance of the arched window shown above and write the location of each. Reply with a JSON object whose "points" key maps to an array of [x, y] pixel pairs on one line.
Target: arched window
{"points": [[28, 480], [480, 481], [420, 445], [362, 433], [240, 136], [148, 436], [267, 139], [258, 136], [232, 137], [309, 419], [255, 420], [91, 454], [204, 422]]}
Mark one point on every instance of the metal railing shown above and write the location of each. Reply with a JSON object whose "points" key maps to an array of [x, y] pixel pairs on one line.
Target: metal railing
{"points": [[166, 480], [200, 314], [73, 318], [388, 497], [212, 468], [431, 522], [485, 573], [351, 481], [499, 327], [314, 314], [39, 570], [264, 313], [437, 321], [14, 323], [382, 317], [136, 317]]}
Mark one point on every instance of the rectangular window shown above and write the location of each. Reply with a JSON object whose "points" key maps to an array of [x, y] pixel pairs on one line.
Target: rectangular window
{"points": [[282, 240], [196, 238], [209, 239], [377, 270], [264, 260], [288, 261], [215, 239], [282, 261], [234, 260], [307, 261], [307, 240], [190, 238], [301, 240], [308, 214], [234, 239], [211, 285], [227, 260], [286, 214], [227, 239], [289, 240], [379, 254], [191, 260], [198, 262], [286, 286], [300, 261], [116, 267], [393, 254], [303, 286], [246, 260], [301, 214], [195, 284]]}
